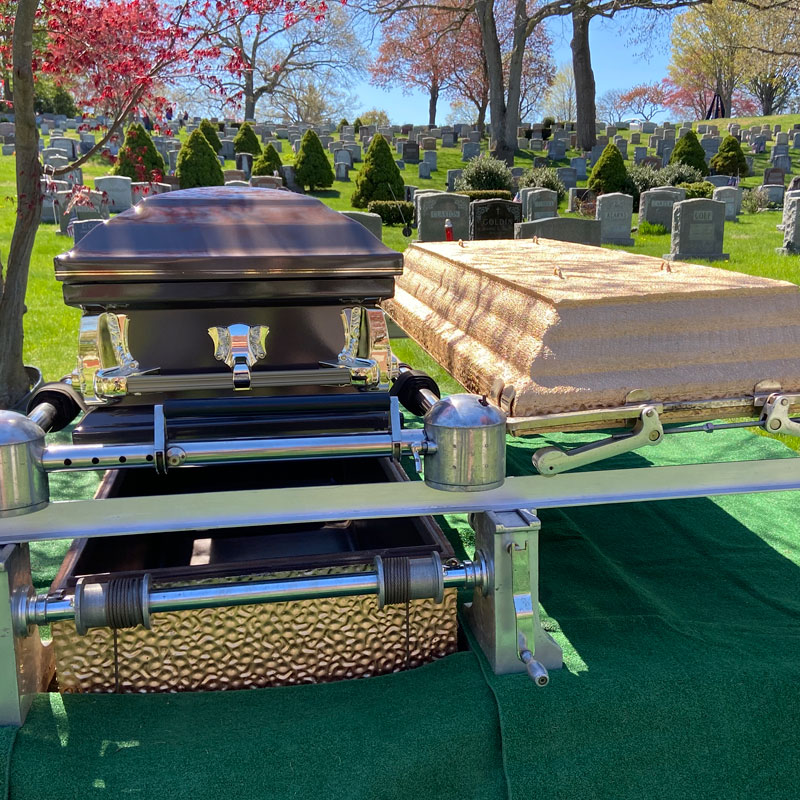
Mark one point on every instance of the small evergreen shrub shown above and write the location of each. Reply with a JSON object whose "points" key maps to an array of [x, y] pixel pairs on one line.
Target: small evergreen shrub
{"points": [[609, 173], [486, 194], [547, 130], [543, 178], [702, 189], [753, 200], [246, 141], [651, 228], [211, 134], [379, 177], [138, 158], [485, 173], [357, 124], [198, 164], [673, 174], [268, 163], [729, 159], [689, 151], [392, 213], [312, 167], [342, 123]]}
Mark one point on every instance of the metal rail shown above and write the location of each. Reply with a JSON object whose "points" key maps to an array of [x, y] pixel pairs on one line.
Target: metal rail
{"points": [[300, 505]]}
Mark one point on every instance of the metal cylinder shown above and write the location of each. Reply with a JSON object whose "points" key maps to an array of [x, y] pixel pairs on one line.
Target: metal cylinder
{"points": [[23, 482], [470, 438]]}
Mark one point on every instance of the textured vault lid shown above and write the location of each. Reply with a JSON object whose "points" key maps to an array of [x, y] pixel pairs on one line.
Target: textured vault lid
{"points": [[548, 327], [217, 233]]}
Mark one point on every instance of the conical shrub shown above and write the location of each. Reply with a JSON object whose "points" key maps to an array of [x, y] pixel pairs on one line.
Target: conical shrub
{"points": [[379, 178], [689, 151], [609, 173], [198, 164], [729, 159], [210, 132], [311, 167], [246, 141], [268, 163], [138, 158]]}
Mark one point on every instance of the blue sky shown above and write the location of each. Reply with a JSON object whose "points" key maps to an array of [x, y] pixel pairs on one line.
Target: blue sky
{"points": [[617, 63]]}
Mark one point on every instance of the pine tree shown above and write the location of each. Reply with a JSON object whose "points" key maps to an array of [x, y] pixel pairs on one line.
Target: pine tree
{"points": [[379, 178], [268, 163], [609, 173], [198, 164], [342, 123], [138, 158], [729, 159], [246, 141], [688, 150], [210, 132], [311, 167], [357, 124]]}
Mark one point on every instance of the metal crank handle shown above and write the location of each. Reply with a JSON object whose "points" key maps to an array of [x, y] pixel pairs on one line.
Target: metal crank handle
{"points": [[647, 431], [537, 671]]}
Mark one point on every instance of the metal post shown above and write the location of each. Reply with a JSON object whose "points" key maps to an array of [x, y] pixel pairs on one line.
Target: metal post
{"points": [[495, 620], [26, 665]]}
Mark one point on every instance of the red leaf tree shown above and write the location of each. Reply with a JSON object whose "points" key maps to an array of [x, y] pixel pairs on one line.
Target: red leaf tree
{"points": [[120, 53]]}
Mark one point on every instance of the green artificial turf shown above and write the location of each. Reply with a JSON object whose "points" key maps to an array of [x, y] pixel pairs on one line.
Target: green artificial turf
{"points": [[682, 665]]}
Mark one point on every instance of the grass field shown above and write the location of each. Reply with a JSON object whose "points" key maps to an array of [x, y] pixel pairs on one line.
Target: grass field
{"points": [[51, 327]]}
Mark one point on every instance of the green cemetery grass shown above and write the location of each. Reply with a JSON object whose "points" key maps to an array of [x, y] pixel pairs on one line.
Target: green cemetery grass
{"points": [[51, 328]]}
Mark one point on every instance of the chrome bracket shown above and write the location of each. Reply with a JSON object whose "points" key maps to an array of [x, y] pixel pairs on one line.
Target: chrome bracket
{"points": [[239, 346], [366, 353], [647, 431], [395, 429], [104, 360], [775, 415]]}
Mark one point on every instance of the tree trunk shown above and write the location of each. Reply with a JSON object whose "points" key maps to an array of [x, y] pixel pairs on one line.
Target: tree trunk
{"points": [[504, 111], [13, 378], [249, 96], [482, 117], [584, 79], [434, 99]]}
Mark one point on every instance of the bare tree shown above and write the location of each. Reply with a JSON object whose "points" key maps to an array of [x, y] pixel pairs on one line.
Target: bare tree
{"points": [[611, 107], [309, 98]]}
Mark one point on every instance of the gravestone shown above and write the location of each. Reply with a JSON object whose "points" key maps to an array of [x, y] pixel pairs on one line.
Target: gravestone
{"points": [[783, 163], [470, 150], [424, 170], [789, 195], [266, 182], [118, 190], [563, 229], [536, 144], [639, 154], [652, 161], [64, 143], [341, 171], [448, 140], [287, 171], [556, 150], [343, 157], [227, 151], [452, 176], [582, 200], [355, 152], [579, 165], [49, 190], [773, 193], [475, 137], [774, 176], [614, 211], [697, 231], [596, 152], [80, 227], [429, 157], [428, 143], [244, 162], [728, 195], [718, 180], [372, 222], [568, 176], [778, 150], [432, 211], [540, 203], [655, 207], [782, 138], [791, 227], [493, 219], [410, 153], [636, 138], [523, 143]]}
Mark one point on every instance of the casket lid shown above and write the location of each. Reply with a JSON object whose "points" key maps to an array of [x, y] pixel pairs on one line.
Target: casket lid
{"points": [[225, 233]]}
